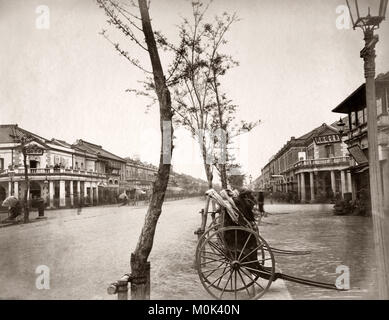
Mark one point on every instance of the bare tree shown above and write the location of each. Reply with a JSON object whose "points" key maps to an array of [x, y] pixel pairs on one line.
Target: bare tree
{"points": [[120, 16], [24, 140], [194, 76]]}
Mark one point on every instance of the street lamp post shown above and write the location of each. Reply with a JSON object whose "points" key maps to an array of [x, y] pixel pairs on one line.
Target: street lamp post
{"points": [[11, 174], [368, 24]]}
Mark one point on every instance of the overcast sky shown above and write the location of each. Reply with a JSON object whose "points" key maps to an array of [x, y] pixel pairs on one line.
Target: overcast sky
{"points": [[68, 82]]}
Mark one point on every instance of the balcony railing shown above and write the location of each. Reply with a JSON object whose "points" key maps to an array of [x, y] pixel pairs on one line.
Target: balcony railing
{"points": [[356, 132], [52, 171], [322, 162]]}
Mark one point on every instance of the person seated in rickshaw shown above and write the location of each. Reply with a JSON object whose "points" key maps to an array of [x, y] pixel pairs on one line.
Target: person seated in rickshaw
{"points": [[15, 210]]}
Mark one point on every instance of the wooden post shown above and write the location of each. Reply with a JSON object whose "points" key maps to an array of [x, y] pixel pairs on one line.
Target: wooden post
{"points": [[140, 284], [381, 236], [122, 289]]}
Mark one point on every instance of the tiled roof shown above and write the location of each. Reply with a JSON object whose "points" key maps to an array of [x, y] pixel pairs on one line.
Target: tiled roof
{"points": [[97, 150], [61, 143], [357, 99], [346, 126], [317, 131], [305, 139], [10, 132], [383, 77]]}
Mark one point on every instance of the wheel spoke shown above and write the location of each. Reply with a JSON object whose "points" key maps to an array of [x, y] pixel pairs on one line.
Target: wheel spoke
{"points": [[244, 247], [259, 271], [255, 249], [225, 286], [221, 278], [236, 244], [224, 273], [221, 251], [224, 245], [213, 270], [211, 253], [218, 260], [254, 280], [236, 291], [244, 283], [213, 249], [258, 260]]}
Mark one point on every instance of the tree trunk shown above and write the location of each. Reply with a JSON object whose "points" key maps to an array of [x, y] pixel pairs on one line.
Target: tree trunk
{"points": [[223, 144], [25, 198], [207, 168], [139, 266]]}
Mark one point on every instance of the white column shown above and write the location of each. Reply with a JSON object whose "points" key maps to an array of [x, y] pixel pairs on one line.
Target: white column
{"points": [[298, 185], [303, 197], [51, 193], [28, 192], [16, 189], [97, 193], [312, 186], [354, 188], [45, 193], [343, 182], [385, 175], [62, 201], [333, 182], [78, 186], [9, 188], [349, 185], [91, 193], [71, 193], [78, 192], [85, 191]]}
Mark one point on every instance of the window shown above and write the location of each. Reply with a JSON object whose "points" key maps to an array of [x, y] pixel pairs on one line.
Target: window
{"points": [[361, 117], [310, 153], [33, 164], [379, 106], [1, 164], [353, 120], [330, 151]]}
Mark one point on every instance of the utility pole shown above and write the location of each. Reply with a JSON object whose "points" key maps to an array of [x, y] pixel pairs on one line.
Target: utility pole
{"points": [[368, 24]]}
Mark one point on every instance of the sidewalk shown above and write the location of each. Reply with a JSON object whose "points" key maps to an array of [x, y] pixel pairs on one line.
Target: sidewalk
{"points": [[87, 252], [56, 213], [63, 213]]}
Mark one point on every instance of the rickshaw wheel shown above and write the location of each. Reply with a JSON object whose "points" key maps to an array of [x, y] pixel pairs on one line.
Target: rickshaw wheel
{"points": [[234, 263]]}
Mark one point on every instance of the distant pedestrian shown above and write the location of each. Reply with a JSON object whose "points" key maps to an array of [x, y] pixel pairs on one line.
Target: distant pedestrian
{"points": [[123, 197], [261, 202], [79, 207], [14, 206], [15, 211]]}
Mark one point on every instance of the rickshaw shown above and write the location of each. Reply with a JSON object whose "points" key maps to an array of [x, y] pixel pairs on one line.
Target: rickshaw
{"points": [[233, 260]]}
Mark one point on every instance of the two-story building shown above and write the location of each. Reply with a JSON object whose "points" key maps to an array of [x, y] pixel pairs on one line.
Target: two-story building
{"points": [[313, 166], [139, 175], [106, 163], [61, 173], [354, 106]]}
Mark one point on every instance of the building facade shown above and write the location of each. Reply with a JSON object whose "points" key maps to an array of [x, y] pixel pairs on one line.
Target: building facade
{"points": [[311, 168], [62, 174], [83, 173], [354, 106], [139, 175]]}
